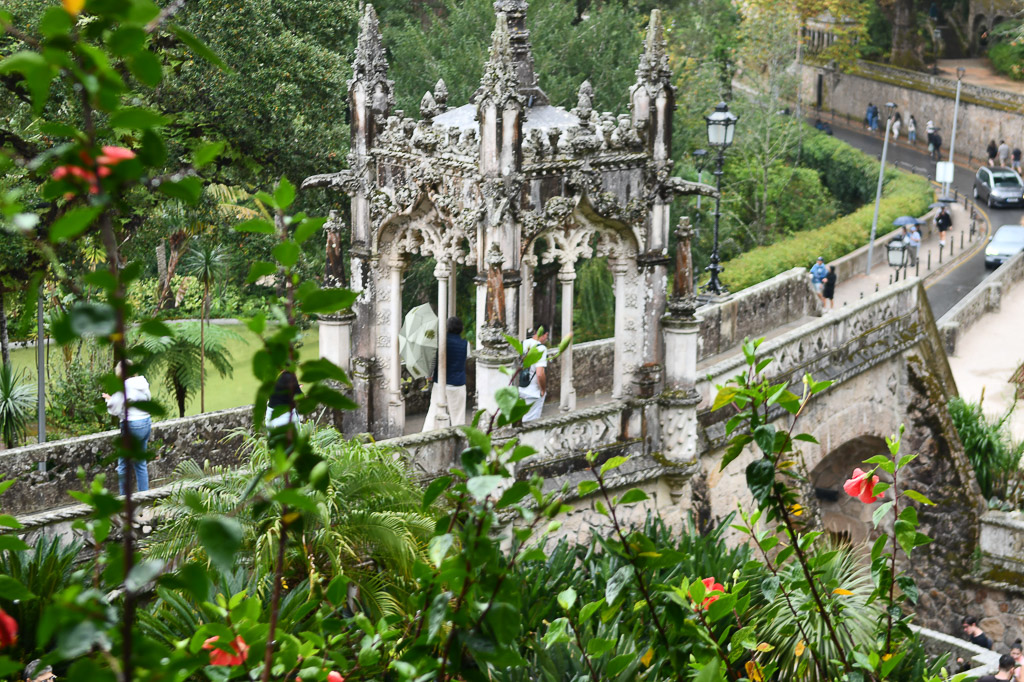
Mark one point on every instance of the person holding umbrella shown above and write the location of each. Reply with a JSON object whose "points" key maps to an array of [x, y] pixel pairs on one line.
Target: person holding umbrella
{"points": [[455, 379], [910, 236], [943, 222]]}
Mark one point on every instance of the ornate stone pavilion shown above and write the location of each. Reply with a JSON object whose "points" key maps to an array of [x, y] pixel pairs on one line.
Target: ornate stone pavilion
{"points": [[499, 185]]}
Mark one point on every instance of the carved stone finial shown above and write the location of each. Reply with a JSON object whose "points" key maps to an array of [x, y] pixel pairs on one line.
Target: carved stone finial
{"points": [[585, 103], [441, 94], [334, 273], [370, 64], [514, 12], [683, 304], [428, 107], [500, 82], [494, 329], [653, 68]]}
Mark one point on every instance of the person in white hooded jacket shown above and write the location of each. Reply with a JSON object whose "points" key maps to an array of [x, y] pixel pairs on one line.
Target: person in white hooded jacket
{"points": [[139, 423]]}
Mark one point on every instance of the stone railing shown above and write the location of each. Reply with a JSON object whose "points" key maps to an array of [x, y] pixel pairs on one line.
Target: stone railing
{"points": [[939, 85], [205, 438], [1002, 547], [984, 298], [755, 311]]}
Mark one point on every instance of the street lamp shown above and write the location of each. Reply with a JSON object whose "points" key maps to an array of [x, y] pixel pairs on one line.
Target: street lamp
{"points": [[721, 127], [952, 140], [890, 109]]}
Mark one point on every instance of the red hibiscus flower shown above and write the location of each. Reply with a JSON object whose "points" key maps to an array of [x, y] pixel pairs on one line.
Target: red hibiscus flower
{"points": [[114, 155], [710, 587], [221, 657], [861, 487], [335, 676], [8, 630]]}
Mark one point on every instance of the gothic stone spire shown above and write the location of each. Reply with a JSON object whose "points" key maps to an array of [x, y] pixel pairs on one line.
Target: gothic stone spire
{"points": [[370, 64], [500, 83], [522, 57], [653, 68]]}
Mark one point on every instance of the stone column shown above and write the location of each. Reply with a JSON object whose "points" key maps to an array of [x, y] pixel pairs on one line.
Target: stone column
{"points": [[396, 402], [442, 272], [567, 275], [525, 298], [452, 288], [619, 267], [336, 339]]}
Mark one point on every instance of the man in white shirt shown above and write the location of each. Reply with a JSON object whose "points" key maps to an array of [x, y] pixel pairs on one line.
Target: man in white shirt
{"points": [[533, 392], [139, 424], [914, 244]]}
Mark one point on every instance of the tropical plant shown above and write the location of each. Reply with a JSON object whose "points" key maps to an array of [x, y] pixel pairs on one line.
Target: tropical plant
{"points": [[17, 399], [206, 263], [989, 446], [179, 357], [368, 525]]}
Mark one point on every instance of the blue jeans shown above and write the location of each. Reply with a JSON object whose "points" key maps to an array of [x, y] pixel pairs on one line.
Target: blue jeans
{"points": [[140, 430]]}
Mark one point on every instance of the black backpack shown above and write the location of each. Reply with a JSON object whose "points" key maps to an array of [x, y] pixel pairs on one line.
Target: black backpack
{"points": [[525, 377]]}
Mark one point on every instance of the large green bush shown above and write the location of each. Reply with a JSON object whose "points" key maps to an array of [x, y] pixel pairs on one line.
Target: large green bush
{"points": [[850, 174], [904, 194]]}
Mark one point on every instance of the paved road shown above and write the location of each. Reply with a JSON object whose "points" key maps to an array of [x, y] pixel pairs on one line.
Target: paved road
{"points": [[957, 283]]}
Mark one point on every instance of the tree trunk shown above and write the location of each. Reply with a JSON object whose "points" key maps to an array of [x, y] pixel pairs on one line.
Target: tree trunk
{"points": [[180, 394], [202, 348], [5, 347], [904, 36]]}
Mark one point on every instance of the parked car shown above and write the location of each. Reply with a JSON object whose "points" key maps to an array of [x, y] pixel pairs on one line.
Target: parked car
{"points": [[999, 186], [1004, 245]]}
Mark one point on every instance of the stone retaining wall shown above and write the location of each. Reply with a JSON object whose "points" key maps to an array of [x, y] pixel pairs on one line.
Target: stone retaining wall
{"points": [[200, 439], [985, 113], [984, 298]]}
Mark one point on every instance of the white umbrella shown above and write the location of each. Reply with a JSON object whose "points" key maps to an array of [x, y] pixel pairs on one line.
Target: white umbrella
{"points": [[417, 341]]}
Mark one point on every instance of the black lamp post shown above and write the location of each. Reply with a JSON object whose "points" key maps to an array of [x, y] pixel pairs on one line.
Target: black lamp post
{"points": [[721, 126]]}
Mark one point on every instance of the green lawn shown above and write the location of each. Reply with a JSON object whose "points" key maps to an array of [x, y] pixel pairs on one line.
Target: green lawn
{"points": [[221, 392]]}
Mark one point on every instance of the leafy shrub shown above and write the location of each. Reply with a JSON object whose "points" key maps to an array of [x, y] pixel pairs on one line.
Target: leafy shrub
{"points": [[17, 400], [1007, 58], [905, 194], [987, 442], [73, 392], [850, 174]]}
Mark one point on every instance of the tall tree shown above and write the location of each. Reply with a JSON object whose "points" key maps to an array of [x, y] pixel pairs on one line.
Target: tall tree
{"points": [[206, 263]]}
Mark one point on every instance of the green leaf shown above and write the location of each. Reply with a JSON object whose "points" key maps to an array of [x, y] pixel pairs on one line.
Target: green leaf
{"points": [[92, 319], [260, 269], [770, 587], [284, 194], [73, 223], [908, 587], [9, 521], [735, 449], [709, 673], [599, 646], [259, 225], [880, 512], [506, 397], [205, 153], [327, 301], [760, 478], [516, 492], [764, 436], [221, 537], [188, 189], [613, 463], [12, 590], [566, 598], [633, 496], [126, 40], [616, 583], [905, 535], [199, 48], [146, 66], [584, 488], [322, 369], [337, 590], [434, 490], [287, 253], [504, 620], [137, 118], [806, 437], [143, 573], [295, 498], [918, 497], [12, 543], [619, 664], [54, 23], [307, 228], [557, 632], [725, 396], [37, 73], [482, 486], [590, 609], [438, 548]]}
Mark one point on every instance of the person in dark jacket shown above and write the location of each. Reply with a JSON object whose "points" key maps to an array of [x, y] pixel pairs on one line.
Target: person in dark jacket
{"points": [[828, 290], [943, 222], [992, 149], [455, 380]]}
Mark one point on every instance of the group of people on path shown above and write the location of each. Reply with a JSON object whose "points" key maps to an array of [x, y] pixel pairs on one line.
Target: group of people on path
{"points": [[1011, 665], [823, 279], [1000, 155], [871, 122]]}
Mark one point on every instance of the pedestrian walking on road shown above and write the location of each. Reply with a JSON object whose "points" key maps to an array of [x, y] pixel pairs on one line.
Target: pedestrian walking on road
{"points": [[828, 289], [1015, 159], [912, 130], [943, 222], [992, 150], [1004, 154], [867, 116], [874, 117], [935, 146], [897, 120]]}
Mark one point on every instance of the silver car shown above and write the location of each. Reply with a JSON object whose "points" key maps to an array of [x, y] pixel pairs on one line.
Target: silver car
{"points": [[1004, 245], [999, 187]]}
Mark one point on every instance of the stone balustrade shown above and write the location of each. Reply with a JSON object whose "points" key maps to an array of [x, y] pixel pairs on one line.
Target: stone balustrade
{"points": [[984, 298]]}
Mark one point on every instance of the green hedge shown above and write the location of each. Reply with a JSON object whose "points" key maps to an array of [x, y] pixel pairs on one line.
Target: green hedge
{"points": [[904, 194], [850, 174]]}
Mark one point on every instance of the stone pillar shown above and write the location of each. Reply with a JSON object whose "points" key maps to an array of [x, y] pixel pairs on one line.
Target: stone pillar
{"points": [[442, 272], [494, 355], [452, 289], [567, 275], [619, 267], [396, 402], [336, 339], [525, 298]]}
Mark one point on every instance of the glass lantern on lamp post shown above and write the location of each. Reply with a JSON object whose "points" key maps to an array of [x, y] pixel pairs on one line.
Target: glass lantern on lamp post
{"points": [[721, 127]]}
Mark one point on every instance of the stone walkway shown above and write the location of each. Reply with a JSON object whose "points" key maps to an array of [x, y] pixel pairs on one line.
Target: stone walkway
{"points": [[979, 72], [882, 275], [988, 354]]}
